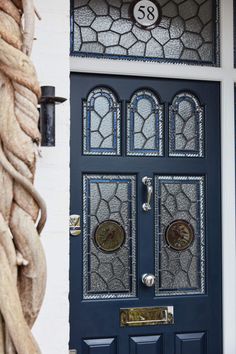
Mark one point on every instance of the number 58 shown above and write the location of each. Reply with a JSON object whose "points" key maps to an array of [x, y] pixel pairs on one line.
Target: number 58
{"points": [[146, 12]]}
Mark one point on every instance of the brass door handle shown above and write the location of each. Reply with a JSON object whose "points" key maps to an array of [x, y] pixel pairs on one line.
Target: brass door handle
{"points": [[147, 181]]}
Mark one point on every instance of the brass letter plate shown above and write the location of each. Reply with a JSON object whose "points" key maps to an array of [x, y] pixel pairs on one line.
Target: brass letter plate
{"points": [[147, 316]]}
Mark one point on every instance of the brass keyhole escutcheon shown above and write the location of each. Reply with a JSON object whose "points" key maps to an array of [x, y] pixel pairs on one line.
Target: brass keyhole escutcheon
{"points": [[75, 228], [179, 235]]}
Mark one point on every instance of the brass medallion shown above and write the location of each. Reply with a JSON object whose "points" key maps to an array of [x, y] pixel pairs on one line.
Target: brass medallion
{"points": [[109, 236], [179, 235]]}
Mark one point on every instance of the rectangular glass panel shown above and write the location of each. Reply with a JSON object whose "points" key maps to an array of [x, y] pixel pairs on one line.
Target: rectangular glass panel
{"points": [[179, 235], [187, 32], [109, 236]]}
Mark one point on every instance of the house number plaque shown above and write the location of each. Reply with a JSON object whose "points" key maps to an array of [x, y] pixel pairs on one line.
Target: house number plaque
{"points": [[146, 13]]}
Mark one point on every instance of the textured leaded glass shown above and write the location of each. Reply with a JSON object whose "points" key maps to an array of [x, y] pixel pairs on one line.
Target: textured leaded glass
{"points": [[109, 275], [101, 123], [188, 31], [145, 125], [179, 272], [186, 125]]}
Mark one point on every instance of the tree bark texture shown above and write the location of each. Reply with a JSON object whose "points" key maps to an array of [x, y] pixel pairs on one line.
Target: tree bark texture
{"points": [[22, 210]]}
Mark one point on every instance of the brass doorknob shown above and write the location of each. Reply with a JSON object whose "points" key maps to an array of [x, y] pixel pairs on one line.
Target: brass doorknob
{"points": [[148, 280]]}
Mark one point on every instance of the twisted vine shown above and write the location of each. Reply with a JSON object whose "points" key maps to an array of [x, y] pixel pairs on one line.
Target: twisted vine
{"points": [[22, 210]]}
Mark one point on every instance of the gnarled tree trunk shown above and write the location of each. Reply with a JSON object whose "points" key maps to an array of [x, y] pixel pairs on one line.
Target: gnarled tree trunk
{"points": [[22, 210]]}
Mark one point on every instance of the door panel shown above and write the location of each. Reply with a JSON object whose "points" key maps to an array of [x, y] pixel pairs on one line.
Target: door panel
{"points": [[147, 344], [193, 343], [99, 346], [125, 131], [180, 235], [109, 226]]}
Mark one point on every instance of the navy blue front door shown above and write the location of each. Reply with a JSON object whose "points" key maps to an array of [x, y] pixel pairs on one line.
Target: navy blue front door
{"points": [[145, 272]]}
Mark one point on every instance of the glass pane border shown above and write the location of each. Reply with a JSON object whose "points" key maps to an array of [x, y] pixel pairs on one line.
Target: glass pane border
{"points": [[86, 234], [201, 186], [158, 110], [200, 125], [115, 109], [216, 61]]}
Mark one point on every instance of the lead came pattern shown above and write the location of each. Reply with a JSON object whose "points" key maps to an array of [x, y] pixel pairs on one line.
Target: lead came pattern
{"points": [[188, 31], [179, 272], [109, 275], [145, 125], [101, 115], [186, 124]]}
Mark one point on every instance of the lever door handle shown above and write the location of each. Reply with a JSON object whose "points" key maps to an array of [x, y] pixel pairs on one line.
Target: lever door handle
{"points": [[147, 181]]}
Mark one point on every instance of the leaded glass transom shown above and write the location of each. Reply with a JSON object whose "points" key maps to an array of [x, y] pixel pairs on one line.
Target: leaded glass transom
{"points": [[145, 125], [186, 126], [188, 31], [179, 198], [101, 115], [109, 275]]}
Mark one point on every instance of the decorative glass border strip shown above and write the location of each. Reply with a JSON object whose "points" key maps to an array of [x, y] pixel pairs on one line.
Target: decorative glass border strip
{"points": [[158, 110], [199, 121], [115, 109], [131, 180], [215, 62], [201, 232]]}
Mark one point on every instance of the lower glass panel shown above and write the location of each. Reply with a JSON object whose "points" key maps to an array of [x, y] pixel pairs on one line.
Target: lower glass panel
{"points": [[109, 256], [179, 235]]}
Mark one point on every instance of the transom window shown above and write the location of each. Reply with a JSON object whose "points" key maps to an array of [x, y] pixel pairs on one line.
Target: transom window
{"points": [[187, 31]]}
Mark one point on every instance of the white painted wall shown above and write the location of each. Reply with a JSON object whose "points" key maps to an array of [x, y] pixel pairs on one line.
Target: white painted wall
{"points": [[51, 57]]}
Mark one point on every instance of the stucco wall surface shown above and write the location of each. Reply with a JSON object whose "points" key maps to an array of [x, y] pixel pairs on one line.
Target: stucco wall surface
{"points": [[51, 57]]}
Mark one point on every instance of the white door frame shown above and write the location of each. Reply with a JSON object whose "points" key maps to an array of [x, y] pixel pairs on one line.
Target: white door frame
{"points": [[226, 75]]}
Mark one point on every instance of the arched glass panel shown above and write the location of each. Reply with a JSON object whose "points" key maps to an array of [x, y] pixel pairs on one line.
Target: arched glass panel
{"points": [[145, 125], [186, 125], [101, 115]]}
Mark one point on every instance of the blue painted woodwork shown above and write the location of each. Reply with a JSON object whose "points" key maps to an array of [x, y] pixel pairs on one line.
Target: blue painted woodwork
{"points": [[99, 346], [146, 344], [194, 343], [91, 320]]}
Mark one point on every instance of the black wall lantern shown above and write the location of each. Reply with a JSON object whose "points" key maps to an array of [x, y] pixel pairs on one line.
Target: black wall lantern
{"points": [[47, 103]]}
